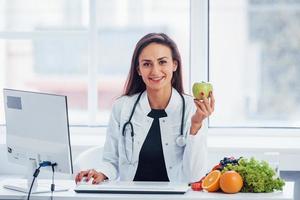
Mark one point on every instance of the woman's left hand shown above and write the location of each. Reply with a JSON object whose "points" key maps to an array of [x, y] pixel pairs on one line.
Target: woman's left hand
{"points": [[205, 108]]}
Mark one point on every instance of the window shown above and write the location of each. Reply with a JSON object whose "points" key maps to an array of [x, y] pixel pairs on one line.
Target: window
{"points": [[254, 63], [82, 48]]}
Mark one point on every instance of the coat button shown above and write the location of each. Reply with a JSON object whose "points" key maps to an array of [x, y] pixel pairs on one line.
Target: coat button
{"points": [[170, 167], [166, 144], [163, 121]]}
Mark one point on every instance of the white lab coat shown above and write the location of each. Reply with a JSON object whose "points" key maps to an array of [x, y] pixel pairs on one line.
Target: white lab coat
{"points": [[184, 164]]}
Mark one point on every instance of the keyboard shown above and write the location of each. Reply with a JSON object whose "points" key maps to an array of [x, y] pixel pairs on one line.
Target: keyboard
{"points": [[133, 187]]}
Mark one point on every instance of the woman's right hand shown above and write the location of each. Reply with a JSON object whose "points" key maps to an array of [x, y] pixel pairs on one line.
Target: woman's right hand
{"points": [[97, 176]]}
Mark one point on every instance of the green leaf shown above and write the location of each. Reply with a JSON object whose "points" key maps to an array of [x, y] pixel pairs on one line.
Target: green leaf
{"points": [[258, 176]]}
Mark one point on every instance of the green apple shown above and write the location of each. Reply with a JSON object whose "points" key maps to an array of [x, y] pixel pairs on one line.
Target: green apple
{"points": [[202, 89]]}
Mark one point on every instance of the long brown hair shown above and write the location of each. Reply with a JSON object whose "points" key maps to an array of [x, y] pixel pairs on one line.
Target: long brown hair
{"points": [[134, 83]]}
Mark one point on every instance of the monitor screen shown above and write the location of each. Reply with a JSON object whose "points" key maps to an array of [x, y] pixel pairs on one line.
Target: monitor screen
{"points": [[37, 128]]}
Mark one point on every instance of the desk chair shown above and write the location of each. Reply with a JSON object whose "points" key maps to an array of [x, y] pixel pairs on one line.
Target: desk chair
{"points": [[88, 159]]}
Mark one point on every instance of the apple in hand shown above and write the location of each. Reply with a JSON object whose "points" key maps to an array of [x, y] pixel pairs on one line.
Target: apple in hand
{"points": [[202, 89]]}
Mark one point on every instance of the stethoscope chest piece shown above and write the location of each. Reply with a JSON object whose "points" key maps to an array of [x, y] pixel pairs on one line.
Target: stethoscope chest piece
{"points": [[181, 141]]}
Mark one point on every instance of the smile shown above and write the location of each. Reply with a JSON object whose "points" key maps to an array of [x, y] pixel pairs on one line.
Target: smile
{"points": [[156, 79]]}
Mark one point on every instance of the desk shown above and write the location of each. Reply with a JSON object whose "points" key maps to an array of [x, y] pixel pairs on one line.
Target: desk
{"points": [[287, 194]]}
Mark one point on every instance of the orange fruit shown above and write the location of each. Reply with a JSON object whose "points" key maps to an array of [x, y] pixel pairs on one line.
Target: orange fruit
{"points": [[211, 182], [231, 182]]}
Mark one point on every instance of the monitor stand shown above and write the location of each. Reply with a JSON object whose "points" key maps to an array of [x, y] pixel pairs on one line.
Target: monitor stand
{"points": [[24, 185]]}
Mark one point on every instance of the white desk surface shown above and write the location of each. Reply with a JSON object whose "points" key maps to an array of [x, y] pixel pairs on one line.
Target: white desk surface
{"points": [[286, 194]]}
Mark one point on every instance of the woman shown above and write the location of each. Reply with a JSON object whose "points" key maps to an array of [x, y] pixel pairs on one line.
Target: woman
{"points": [[154, 133]]}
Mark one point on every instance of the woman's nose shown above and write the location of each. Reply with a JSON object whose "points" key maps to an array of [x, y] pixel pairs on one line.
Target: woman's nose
{"points": [[155, 69]]}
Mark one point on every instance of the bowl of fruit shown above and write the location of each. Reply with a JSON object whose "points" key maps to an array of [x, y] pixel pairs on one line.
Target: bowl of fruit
{"points": [[240, 175]]}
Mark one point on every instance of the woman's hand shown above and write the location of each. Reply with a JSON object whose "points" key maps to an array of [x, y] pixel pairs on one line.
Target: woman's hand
{"points": [[97, 176], [205, 108]]}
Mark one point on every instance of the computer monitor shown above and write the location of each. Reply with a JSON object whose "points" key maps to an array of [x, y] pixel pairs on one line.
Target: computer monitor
{"points": [[37, 130]]}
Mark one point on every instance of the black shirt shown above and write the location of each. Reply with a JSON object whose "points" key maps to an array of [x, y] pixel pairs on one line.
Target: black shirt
{"points": [[151, 166]]}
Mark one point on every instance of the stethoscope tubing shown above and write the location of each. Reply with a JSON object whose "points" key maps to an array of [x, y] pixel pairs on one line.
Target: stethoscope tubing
{"points": [[180, 140]]}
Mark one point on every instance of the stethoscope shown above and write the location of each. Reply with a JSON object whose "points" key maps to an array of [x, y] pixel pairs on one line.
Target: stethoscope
{"points": [[128, 127]]}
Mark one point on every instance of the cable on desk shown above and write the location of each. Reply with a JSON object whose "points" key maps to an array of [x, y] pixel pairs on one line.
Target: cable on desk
{"points": [[36, 173], [52, 184]]}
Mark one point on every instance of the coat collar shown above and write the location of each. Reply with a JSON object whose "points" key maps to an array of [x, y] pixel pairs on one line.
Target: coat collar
{"points": [[174, 103]]}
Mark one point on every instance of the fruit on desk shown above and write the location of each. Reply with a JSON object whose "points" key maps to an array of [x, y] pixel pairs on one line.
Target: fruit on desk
{"points": [[197, 186], [202, 89], [211, 182], [231, 182], [262, 179]]}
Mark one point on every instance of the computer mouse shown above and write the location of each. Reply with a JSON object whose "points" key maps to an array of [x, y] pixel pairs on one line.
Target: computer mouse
{"points": [[84, 182]]}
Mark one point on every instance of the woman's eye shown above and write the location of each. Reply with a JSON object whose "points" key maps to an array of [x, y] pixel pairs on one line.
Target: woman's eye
{"points": [[146, 64], [162, 62]]}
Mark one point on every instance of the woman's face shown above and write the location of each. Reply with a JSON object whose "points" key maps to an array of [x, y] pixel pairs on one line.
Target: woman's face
{"points": [[156, 66]]}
